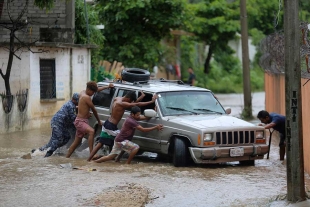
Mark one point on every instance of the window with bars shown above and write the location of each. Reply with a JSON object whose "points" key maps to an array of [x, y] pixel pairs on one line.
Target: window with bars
{"points": [[47, 79]]}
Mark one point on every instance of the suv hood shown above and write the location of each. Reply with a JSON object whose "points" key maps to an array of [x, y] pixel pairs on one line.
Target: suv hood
{"points": [[210, 121]]}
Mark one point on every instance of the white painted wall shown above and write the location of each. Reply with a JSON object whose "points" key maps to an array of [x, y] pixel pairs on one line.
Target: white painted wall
{"points": [[81, 68], [237, 47], [26, 74]]}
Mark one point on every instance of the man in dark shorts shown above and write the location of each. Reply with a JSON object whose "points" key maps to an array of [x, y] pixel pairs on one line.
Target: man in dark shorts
{"points": [[123, 142], [277, 122], [120, 104], [192, 77]]}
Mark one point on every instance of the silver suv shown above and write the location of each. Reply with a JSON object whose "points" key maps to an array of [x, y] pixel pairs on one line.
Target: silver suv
{"points": [[196, 126]]}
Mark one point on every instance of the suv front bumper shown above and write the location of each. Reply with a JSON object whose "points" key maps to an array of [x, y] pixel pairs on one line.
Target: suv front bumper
{"points": [[222, 154]]}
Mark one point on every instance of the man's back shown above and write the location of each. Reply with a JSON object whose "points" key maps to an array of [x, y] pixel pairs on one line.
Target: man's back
{"points": [[279, 120], [66, 114], [117, 111]]}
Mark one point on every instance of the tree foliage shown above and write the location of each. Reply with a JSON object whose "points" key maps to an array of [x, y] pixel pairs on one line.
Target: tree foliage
{"points": [[134, 29], [95, 35], [215, 22]]}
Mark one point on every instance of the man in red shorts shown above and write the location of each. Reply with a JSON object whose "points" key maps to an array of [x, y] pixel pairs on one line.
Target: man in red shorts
{"points": [[123, 139], [81, 121]]}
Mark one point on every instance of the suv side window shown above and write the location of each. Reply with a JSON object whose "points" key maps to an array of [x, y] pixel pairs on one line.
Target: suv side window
{"points": [[104, 97], [148, 97]]}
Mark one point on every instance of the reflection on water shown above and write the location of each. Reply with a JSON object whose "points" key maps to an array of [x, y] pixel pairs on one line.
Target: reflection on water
{"points": [[41, 181]]}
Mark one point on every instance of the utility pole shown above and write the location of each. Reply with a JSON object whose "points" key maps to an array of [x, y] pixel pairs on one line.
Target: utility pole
{"points": [[247, 111], [294, 139]]}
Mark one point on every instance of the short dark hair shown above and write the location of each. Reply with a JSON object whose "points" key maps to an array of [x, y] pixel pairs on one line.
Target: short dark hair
{"points": [[131, 95], [262, 114], [92, 85], [135, 110]]}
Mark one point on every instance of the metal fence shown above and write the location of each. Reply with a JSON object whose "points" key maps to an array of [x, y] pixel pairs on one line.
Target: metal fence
{"points": [[273, 57]]}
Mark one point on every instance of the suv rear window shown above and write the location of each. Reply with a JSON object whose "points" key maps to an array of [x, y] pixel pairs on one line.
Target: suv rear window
{"points": [[104, 97]]}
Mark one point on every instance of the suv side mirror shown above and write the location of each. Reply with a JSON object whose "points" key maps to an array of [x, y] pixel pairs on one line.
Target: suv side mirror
{"points": [[228, 110], [150, 113]]}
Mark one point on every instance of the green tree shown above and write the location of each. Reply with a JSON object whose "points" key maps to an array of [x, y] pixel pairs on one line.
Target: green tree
{"points": [[134, 29], [214, 22], [95, 35]]}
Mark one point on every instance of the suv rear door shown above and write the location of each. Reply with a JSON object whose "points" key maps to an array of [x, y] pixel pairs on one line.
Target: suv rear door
{"points": [[102, 101]]}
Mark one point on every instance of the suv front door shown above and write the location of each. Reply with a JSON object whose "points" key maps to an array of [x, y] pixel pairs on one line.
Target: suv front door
{"points": [[149, 140]]}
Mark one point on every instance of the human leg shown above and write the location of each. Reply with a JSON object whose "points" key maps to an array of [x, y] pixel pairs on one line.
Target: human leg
{"points": [[95, 150], [117, 148], [75, 144], [282, 147], [106, 158], [131, 155], [131, 148], [82, 128], [120, 156], [53, 144], [91, 132]]}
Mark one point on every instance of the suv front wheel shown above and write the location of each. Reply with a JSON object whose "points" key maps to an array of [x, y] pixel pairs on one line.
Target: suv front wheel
{"points": [[180, 153]]}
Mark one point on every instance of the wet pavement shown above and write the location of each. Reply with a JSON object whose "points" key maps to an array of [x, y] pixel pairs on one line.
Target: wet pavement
{"points": [[147, 182]]}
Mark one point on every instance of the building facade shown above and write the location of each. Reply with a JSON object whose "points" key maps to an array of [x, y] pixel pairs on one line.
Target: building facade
{"points": [[45, 73]]}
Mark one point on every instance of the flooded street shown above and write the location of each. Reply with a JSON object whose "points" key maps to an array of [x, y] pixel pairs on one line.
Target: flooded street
{"points": [[147, 182]]}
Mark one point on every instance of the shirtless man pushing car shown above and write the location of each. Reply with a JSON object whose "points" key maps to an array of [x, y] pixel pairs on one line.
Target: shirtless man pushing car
{"points": [[81, 121], [120, 104]]}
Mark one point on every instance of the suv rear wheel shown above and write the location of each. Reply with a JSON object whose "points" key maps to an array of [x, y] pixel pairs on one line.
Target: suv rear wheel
{"points": [[180, 153]]}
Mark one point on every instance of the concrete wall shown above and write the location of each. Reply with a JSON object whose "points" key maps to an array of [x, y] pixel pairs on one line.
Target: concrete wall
{"points": [[275, 102], [63, 12], [72, 73]]}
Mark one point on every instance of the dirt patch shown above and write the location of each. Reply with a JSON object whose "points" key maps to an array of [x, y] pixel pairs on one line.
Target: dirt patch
{"points": [[129, 195]]}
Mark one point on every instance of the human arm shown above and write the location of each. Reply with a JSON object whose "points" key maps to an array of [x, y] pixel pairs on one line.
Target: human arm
{"points": [[148, 129], [268, 126], [129, 105], [144, 118], [140, 97], [105, 87]]}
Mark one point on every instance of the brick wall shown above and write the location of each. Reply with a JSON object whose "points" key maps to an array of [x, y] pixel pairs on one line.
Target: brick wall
{"points": [[61, 16]]}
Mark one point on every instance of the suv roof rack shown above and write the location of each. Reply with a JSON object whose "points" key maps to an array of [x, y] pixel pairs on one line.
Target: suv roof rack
{"points": [[171, 81]]}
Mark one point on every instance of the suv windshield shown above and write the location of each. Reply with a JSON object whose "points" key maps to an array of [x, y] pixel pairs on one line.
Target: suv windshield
{"points": [[188, 102]]}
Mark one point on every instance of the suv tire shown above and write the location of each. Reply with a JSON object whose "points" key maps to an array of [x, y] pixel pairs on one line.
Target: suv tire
{"points": [[180, 153], [135, 75]]}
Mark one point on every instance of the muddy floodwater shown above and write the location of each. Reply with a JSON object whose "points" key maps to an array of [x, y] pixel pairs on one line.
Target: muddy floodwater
{"points": [[148, 181], [38, 181]]}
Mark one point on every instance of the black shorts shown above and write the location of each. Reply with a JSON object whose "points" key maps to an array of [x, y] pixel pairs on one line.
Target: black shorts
{"points": [[108, 139], [109, 125]]}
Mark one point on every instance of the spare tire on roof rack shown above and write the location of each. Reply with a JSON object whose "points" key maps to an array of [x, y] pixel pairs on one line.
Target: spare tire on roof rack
{"points": [[135, 75]]}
